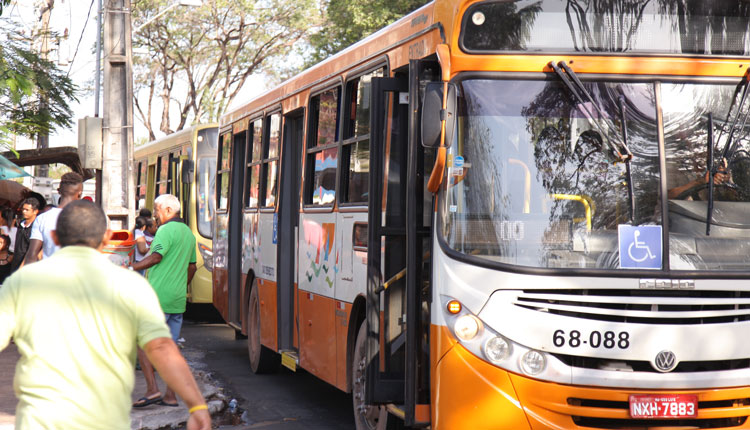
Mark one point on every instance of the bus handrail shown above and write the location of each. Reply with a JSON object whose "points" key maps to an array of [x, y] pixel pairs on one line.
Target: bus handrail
{"points": [[586, 201], [526, 185]]}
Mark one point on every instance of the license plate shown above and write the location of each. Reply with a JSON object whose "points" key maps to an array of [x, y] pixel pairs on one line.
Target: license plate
{"points": [[663, 406]]}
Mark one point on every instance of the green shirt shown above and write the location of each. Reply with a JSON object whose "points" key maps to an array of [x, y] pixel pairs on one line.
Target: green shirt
{"points": [[76, 319], [176, 244]]}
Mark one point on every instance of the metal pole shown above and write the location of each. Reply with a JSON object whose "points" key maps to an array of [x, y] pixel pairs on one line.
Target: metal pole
{"points": [[98, 78], [117, 116]]}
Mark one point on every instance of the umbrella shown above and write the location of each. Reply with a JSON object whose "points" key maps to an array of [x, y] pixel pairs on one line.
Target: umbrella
{"points": [[12, 192], [9, 170]]}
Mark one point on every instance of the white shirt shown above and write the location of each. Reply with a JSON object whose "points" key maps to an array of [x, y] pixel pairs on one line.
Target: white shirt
{"points": [[148, 238], [11, 233], [41, 229]]}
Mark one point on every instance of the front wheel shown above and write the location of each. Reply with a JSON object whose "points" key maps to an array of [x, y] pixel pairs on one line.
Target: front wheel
{"points": [[367, 417], [262, 359]]}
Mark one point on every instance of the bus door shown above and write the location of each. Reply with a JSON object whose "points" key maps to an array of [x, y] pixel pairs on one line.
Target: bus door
{"points": [[287, 226], [386, 250], [399, 238], [234, 254]]}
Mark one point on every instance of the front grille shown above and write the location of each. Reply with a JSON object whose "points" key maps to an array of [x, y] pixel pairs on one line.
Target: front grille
{"points": [[628, 423], [645, 366], [685, 307]]}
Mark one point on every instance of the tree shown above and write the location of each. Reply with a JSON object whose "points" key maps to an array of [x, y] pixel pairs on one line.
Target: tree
{"points": [[199, 59], [348, 21], [34, 92]]}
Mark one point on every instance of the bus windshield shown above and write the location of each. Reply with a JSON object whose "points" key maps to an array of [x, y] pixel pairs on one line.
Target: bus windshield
{"points": [[206, 172], [530, 181]]}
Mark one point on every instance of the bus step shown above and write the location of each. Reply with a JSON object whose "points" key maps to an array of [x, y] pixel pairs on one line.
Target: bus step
{"points": [[290, 360]]}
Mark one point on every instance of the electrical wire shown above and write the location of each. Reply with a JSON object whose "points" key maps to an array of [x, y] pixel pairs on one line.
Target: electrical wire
{"points": [[91, 6]]}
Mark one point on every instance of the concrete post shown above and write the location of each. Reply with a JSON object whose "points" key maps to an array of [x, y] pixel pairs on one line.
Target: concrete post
{"points": [[117, 200]]}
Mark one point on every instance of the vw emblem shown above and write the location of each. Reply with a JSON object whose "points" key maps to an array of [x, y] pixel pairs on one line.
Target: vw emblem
{"points": [[665, 361]]}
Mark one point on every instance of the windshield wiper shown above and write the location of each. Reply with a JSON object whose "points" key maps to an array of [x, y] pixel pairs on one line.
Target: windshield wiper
{"points": [[576, 87], [628, 175], [729, 146], [622, 153]]}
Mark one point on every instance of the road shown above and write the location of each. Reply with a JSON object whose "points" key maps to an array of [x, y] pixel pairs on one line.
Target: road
{"points": [[284, 401]]}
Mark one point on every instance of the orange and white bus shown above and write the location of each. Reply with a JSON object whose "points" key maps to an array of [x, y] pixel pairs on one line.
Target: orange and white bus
{"points": [[504, 214]]}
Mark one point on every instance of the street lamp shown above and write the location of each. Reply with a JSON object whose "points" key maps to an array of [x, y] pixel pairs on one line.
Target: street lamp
{"points": [[192, 3]]}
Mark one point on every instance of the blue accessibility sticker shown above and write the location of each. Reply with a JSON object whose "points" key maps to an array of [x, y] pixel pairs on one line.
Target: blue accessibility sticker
{"points": [[640, 246]]}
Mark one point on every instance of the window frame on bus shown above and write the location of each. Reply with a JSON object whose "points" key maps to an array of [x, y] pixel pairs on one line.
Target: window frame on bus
{"points": [[312, 148], [228, 135], [350, 138], [253, 159], [267, 161], [141, 180]]}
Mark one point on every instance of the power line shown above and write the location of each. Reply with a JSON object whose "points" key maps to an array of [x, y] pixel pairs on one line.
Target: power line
{"points": [[91, 6]]}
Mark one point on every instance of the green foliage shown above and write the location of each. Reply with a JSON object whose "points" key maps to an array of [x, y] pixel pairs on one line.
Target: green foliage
{"points": [[34, 93], [349, 21]]}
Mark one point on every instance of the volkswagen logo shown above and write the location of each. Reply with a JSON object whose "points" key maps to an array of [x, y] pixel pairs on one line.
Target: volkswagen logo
{"points": [[665, 361]]}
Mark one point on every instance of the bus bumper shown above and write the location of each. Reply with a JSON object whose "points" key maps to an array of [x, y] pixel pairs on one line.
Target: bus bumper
{"points": [[468, 392]]}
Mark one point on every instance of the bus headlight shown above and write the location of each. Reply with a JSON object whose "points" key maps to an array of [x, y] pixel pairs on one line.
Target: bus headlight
{"points": [[497, 349], [533, 362], [484, 342], [467, 327], [207, 255]]}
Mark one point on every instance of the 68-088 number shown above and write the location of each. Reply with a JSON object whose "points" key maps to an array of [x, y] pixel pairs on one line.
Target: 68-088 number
{"points": [[595, 339]]}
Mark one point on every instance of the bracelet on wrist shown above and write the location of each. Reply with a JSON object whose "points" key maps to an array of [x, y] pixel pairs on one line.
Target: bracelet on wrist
{"points": [[198, 408]]}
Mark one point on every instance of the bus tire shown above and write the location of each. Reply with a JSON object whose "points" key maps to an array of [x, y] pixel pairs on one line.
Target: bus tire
{"points": [[262, 359], [367, 417]]}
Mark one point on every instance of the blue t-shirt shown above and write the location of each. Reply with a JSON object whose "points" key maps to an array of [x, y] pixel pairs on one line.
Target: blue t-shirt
{"points": [[41, 229]]}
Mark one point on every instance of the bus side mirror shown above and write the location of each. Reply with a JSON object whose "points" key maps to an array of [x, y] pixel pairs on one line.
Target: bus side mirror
{"points": [[188, 171], [433, 114]]}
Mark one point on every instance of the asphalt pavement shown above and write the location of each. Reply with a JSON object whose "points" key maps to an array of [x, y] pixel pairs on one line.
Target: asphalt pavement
{"points": [[284, 400]]}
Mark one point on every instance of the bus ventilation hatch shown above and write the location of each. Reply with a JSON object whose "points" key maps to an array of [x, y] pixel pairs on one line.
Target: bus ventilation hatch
{"points": [[680, 307]]}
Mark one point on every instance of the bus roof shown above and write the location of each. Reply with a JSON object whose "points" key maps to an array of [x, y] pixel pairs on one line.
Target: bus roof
{"points": [[169, 141], [369, 49]]}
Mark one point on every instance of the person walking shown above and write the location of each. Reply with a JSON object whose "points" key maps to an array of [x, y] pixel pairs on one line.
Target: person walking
{"points": [[171, 264], [76, 319], [6, 257], [29, 211], [143, 234], [71, 188]]}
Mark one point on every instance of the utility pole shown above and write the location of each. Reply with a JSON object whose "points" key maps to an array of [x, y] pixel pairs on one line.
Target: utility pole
{"points": [[42, 139], [116, 176]]}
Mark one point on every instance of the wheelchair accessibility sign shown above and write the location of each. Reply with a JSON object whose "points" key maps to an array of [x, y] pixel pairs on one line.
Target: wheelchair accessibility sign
{"points": [[640, 246]]}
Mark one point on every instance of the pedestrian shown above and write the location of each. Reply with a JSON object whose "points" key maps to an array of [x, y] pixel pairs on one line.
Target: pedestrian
{"points": [[76, 319], [29, 212], [6, 257], [8, 226], [143, 238], [71, 188], [171, 264]]}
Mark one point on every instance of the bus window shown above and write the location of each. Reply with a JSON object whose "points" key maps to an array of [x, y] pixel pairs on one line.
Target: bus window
{"points": [[162, 175], [322, 152], [254, 154], [356, 146], [140, 200], [206, 173], [270, 169], [222, 176]]}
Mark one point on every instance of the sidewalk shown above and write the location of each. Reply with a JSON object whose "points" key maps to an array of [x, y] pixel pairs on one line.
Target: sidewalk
{"points": [[152, 417]]}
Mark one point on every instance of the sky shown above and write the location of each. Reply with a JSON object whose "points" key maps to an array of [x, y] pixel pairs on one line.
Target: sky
{"points": [[76, 57]]}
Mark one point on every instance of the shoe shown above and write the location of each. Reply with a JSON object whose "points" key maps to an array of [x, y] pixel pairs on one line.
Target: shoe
{"points": [[163, 403], [145, 401]]}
